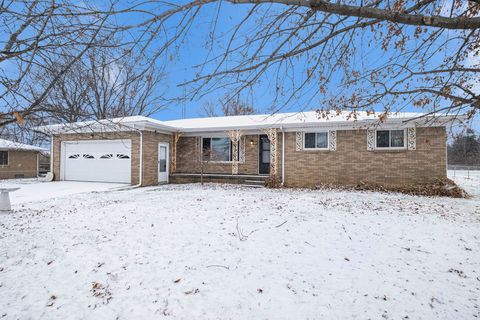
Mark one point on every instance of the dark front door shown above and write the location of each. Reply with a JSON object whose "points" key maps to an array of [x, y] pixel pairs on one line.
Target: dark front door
{"points": [[264, 155]]}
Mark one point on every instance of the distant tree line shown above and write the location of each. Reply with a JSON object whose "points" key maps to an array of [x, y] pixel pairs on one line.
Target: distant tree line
{"points": [[464, 149], [227, 107]]}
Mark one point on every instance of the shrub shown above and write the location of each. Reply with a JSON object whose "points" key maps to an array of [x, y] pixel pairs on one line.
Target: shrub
{"points": [[273, 182], [439, 188]]}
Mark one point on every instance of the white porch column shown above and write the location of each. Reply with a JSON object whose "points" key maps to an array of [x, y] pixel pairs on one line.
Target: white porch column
{"points": [[235, 136]]}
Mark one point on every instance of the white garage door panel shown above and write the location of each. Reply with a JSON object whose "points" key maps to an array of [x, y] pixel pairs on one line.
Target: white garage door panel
{"points": [[98, 160]]}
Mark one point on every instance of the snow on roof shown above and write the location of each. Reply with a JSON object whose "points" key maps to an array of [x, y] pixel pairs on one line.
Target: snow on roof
{"points": [[12, 145], [280, 119], [114, 124], [248, 122]]}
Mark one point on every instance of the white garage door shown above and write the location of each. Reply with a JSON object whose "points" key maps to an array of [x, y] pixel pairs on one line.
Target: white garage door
{"points": [[97, 160]]}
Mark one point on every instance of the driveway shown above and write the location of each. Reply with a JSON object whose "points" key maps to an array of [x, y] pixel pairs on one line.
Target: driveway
{"points": [[37, 190]]}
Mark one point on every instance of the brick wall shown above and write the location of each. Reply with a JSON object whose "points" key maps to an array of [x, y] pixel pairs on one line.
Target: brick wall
{"points": [[351, 163], [150, 152], [150, 156], [20, 163], [189, 155]]}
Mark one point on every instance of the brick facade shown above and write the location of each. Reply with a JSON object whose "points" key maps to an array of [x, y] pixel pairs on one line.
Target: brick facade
{"points": [[150, 156], [189, 155], [21, 164], [351, 163], [150, 152]]}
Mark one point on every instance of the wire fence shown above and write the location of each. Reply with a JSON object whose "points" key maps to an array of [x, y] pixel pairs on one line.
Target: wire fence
{"points": [[463, 170]]}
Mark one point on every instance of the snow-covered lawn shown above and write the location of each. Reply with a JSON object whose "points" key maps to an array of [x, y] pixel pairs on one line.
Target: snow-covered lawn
{"points": [[38, 189], [226, 252], [468, 180]]}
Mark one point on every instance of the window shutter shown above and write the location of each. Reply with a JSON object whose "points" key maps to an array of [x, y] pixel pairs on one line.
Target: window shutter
{"points": [[370, 140], [332, 140], [299, 141], [412, 139]]}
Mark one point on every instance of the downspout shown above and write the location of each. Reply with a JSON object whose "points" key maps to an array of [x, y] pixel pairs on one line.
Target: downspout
{"points": [[38, 163], [51, 154], [283, 156], [140, 176]]}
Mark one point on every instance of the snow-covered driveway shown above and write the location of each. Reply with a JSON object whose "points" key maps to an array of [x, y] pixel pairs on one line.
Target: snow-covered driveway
{"points": [[225, 252], [38, 190]]}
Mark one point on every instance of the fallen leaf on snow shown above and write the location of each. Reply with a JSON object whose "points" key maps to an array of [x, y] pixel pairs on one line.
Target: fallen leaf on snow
{"points": [[193, 291]]}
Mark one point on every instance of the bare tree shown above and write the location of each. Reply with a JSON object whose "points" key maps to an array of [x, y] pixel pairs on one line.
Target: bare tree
{"points": [[35, 33], [342, 55], [464, 149], [330, 56], [106, 83], [227, 107], [23, 133]]}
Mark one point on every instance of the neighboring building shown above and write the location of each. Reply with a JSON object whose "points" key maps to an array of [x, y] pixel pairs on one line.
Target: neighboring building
{"points": [[301, 149], [18, 160]]}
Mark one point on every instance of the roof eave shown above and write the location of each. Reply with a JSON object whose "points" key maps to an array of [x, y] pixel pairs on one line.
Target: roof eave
{"points": [[104, 127], [154, 125], [357, 124]]}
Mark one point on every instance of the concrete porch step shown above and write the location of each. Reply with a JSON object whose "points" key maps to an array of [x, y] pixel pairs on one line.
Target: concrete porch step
{"points": [[254, 183], [254, 186], [247, 180], [259, 182]]}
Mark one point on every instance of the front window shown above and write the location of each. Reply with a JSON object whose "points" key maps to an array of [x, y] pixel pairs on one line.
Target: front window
{"points": [[316, 140], [217, 149], [393, 139], [3, 158]]}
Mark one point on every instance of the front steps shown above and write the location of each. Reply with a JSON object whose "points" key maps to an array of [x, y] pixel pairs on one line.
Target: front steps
{"points": [[254, 181]]}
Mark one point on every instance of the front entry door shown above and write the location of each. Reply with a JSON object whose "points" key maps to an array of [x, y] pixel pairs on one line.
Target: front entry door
{"points": [[162, 163], [264, 155]]}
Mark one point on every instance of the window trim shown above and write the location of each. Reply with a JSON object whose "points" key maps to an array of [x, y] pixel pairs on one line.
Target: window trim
{"points": [[317, 149], [8, 159], [405, 144], [229, 150]]}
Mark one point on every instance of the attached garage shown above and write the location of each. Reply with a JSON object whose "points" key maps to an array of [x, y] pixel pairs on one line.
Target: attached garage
{"points": [[97, 160]]}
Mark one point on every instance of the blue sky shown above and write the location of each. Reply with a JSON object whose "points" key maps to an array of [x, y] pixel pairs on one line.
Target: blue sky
{"points": [[193, 52]]}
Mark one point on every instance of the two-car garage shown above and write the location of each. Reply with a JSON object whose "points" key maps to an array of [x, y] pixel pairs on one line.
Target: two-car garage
{"points": [[97, 160]]}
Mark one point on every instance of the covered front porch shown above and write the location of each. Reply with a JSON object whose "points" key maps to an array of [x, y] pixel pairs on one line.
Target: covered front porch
{"points": [[238, 157]]}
